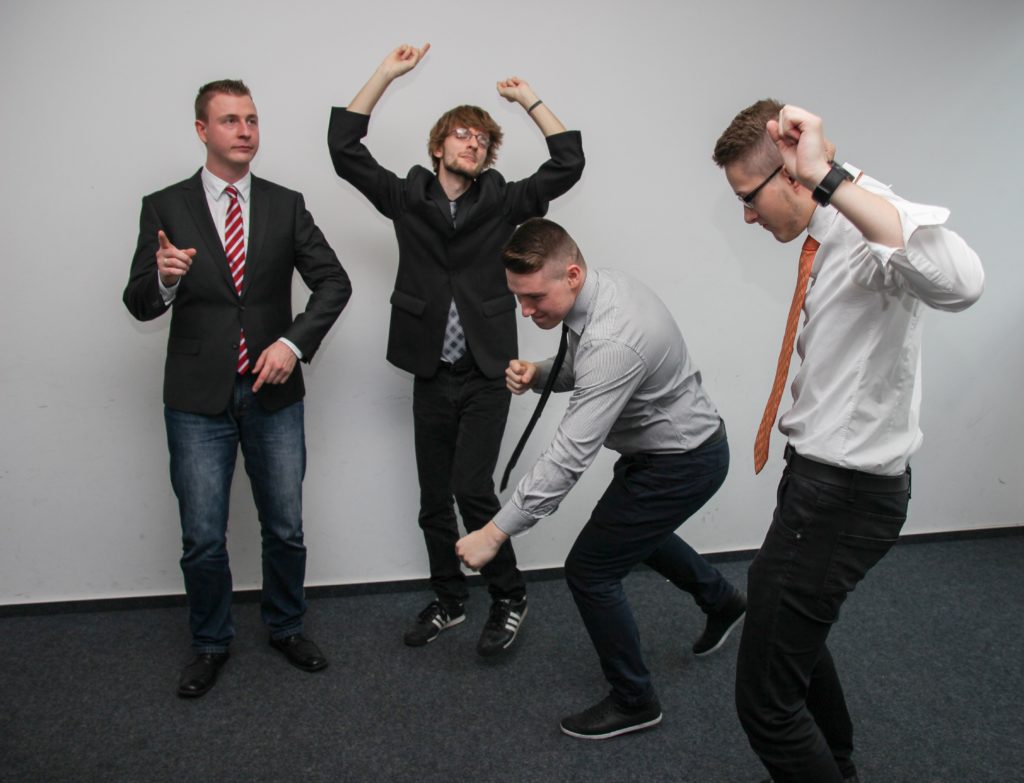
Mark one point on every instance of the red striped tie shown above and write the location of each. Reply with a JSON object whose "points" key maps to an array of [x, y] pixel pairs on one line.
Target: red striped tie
{"points": [[234, 246]]}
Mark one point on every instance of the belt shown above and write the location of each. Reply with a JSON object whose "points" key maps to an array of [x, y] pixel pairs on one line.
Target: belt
{"points": [[846, 477]]}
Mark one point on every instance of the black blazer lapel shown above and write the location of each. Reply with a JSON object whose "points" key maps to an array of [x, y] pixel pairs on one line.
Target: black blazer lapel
{"points": [[440, 199], [195, 198], [259, 218]]}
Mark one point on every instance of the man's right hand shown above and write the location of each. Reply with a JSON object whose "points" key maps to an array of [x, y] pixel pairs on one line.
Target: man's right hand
{"points": [[402, 60], [520, 375], [172, 263], [399, 62]]}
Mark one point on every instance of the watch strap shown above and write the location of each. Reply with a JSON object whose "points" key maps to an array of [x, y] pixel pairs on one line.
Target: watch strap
{"points": [[827, 187]]}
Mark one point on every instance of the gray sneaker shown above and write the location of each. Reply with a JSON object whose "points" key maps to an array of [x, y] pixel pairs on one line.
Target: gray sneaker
{"points": [[431, 621]]}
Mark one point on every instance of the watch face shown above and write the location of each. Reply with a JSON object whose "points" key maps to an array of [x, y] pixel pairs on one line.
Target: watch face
{"points": [[823, 193]]}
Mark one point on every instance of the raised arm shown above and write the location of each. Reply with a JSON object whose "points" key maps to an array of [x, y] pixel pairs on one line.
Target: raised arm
{"points": [[799, 135], [516, 90], [397, 63]]}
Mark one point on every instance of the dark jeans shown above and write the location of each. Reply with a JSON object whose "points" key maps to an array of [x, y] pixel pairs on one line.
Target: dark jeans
{"points": [[203, 450], [634, 522], [830, 527], [459, 417]]}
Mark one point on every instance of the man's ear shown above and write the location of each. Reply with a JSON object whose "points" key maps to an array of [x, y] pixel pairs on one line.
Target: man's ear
{"points": [[201, 130], [792, 182], [574, 276]]}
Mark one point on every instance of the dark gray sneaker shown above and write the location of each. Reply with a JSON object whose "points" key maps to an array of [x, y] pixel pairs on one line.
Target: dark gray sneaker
{"points": [[431, 621], [502, 626], [720, 624], [607, 719]]}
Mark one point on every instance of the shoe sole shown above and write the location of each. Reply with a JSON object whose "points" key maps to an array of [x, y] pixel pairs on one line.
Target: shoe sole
{"points": [[446, 626], [507, 644], [616, 733], [725, 637]]}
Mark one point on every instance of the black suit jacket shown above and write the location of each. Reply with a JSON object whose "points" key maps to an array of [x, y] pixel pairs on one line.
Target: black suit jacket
{"points": [[439, 260], [207, 313]]}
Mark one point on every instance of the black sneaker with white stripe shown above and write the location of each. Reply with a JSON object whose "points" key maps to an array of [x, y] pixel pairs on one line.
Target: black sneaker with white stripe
{"points": [[502, 626], [431, 621], [608, 719]]}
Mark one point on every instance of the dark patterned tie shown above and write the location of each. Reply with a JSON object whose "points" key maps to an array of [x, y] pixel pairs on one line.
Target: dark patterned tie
{"points": [[545, 393], [454, 347]]}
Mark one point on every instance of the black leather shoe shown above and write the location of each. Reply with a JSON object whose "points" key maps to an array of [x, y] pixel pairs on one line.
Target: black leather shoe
{"points": [[301, 652], [720, 624], [200, 675]]}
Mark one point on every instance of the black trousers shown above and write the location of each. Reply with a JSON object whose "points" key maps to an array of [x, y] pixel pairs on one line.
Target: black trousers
{"points": [[830, 527], [649, 497], [459, 417]]}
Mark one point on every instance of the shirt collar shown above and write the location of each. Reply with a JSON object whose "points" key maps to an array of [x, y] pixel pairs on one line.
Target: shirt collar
{"points": [[214, 185], [579, 313]]}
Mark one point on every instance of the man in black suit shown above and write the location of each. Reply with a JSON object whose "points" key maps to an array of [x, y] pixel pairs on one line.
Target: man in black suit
{"points": [[453, 318], [220, 249]]}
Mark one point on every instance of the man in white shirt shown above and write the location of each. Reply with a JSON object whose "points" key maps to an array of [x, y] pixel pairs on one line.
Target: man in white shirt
{"points": [[636, 390], [873, 261]]}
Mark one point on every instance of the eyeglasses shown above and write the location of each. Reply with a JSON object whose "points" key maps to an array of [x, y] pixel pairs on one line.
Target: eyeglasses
{"points": [[748, 200], [463, 134]]}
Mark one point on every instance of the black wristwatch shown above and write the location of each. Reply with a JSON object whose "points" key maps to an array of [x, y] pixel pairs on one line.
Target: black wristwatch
{"points": [[827, 187]]}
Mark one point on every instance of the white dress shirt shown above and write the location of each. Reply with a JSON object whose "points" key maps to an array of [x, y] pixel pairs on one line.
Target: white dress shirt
{"points": [[857, 393], [634, 389]]}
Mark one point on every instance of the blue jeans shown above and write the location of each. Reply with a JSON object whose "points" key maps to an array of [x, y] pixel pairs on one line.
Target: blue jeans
{"points": [[203, 450], [459, 417], [634, 522], [830, 527]]}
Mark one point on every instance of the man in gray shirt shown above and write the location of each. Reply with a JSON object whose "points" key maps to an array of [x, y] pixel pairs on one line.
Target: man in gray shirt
{"points": [[636, 391]]}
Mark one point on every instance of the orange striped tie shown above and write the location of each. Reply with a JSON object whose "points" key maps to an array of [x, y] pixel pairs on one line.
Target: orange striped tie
{"points": [[771, 410], [234, 247]]}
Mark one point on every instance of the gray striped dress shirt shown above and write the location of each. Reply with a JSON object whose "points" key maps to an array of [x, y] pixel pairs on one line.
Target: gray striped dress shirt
{"points": [[634, 389]]}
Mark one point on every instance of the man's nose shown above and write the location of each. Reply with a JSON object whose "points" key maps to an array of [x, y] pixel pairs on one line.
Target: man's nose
{"points": [[749, 214]]}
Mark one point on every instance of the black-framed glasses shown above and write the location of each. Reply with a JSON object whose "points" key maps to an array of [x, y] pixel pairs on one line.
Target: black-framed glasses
{"points": [[748, 200], [463, 134]]}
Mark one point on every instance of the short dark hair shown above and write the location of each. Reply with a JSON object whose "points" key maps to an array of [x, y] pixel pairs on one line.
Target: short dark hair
{"points": [[219, 87], [465, 117], [534, 243], [747, 139]]}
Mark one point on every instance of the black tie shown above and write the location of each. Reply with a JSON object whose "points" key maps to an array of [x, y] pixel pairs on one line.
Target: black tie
{"points": [[545, 393]]}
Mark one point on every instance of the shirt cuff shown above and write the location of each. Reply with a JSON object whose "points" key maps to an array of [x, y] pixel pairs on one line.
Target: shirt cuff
{"points": [[295, 349], [167, 294], [512, 520]]}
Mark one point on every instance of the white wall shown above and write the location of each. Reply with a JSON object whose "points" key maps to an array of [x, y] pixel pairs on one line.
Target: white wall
{"points": [[97, 101]]}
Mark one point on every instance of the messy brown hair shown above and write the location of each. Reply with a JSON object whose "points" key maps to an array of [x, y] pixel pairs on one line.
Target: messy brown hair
{"points": [[465, 117]]}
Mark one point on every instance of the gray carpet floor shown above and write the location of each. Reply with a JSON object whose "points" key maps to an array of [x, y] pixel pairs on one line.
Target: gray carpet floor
{"points": [[930, 648]]}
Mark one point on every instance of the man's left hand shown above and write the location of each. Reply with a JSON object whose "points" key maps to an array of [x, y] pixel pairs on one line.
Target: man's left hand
{"points": [[274, 366], [800, 138], [479, 547], [516, 90]]}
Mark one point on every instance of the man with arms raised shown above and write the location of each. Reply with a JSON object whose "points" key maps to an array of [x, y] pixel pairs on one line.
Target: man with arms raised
{"points": [[453, 319]]}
